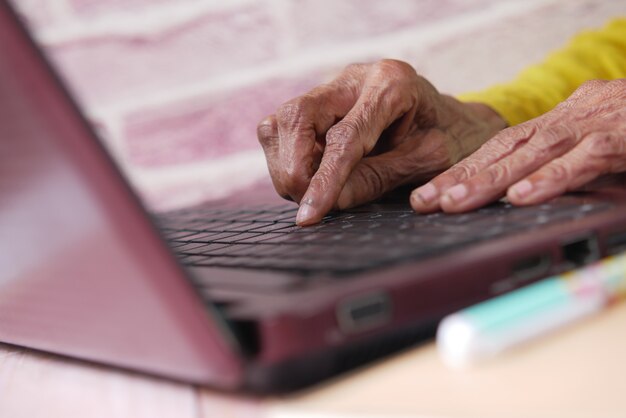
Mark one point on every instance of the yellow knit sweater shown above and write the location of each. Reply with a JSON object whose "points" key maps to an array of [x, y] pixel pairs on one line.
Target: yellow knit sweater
{"points": [[590, 55]]}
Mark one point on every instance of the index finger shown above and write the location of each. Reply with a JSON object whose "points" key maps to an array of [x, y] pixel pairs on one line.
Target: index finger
{"points": [[346, 144]]}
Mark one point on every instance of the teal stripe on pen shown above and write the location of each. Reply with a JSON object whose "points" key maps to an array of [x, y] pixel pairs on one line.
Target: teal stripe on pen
{"points": [[507, 310]]}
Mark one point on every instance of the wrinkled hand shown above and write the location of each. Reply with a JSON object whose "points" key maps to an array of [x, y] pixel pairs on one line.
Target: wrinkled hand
{"points": [[373, 128], [582, 138]]}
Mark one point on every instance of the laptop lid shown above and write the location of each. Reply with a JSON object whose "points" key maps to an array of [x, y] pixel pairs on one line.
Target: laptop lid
{"points": [[68, 220]]}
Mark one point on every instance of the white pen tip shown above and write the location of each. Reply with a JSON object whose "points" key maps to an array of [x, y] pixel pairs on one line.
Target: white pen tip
{"points": [[456, 342]]}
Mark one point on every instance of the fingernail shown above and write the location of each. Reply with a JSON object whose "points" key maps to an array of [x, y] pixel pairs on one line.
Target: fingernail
{"points": [[427, 193], [457, 193], [305, 212], [522, 189]]}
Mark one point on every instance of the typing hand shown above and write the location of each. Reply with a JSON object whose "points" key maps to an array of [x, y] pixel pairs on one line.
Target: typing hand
{"points": [[582, 138], [373, 128]]}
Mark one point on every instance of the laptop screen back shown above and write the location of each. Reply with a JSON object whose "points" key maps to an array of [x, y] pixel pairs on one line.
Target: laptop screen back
{"points": [[81, 267]]}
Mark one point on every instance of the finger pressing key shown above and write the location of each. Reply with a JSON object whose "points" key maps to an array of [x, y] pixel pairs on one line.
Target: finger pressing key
{"points": [[347, 143]]}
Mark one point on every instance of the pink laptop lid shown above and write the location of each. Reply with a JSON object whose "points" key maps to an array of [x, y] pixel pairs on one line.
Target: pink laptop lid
{"points": [[82, 270]]}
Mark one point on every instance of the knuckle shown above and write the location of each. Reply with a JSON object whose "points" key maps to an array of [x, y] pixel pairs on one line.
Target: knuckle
{"points": [[605, 145], [510, 139], [557, 171], [393, 79], [394, 68], [498, 173], [343, 137], [552, 140], [456, 174], [288, 111], [294, 109], [267, 129], [500, 143], [464, 171], [354, 67]]}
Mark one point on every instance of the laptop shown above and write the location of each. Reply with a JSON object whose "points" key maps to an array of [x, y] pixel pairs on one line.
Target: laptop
{"points": [[231, 293]]}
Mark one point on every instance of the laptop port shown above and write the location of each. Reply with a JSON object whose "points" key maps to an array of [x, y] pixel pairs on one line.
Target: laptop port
{"points": [[364, 312], [522, 271], [616, 243], [532, 267], [581, 251]]}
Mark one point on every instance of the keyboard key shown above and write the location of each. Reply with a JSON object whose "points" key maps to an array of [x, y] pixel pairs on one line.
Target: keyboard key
{"points": [[346, 242]]}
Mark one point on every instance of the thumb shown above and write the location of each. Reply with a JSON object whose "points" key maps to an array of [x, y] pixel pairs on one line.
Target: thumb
{"points": [[409, 163], [372, 178]]}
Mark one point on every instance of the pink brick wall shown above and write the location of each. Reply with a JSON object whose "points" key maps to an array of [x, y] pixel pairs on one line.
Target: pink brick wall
{"points": [[107, 68], [98, 7], [176, 87]]}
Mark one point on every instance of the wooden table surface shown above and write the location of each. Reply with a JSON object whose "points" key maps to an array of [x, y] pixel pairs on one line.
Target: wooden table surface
{"points": [[577, 372]]}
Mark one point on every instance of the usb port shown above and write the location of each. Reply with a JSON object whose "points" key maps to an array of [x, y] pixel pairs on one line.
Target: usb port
{"points": [[532, 267], [364, 312]]}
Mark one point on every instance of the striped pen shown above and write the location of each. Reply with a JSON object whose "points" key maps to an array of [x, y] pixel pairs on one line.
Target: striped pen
{"points": [[488, 328]]}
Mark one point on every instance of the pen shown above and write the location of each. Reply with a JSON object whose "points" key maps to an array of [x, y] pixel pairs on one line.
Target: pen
{"points": [[488, 328]]}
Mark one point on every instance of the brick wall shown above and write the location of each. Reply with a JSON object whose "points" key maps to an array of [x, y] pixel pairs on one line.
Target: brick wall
{"points": [[176, 87]]}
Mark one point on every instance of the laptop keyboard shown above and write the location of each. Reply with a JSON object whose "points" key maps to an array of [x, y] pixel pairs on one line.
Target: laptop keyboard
{"points": [[347, 242]]}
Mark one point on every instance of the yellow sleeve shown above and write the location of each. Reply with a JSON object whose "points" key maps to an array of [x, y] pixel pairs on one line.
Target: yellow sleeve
{"points": [[599, 54]]}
